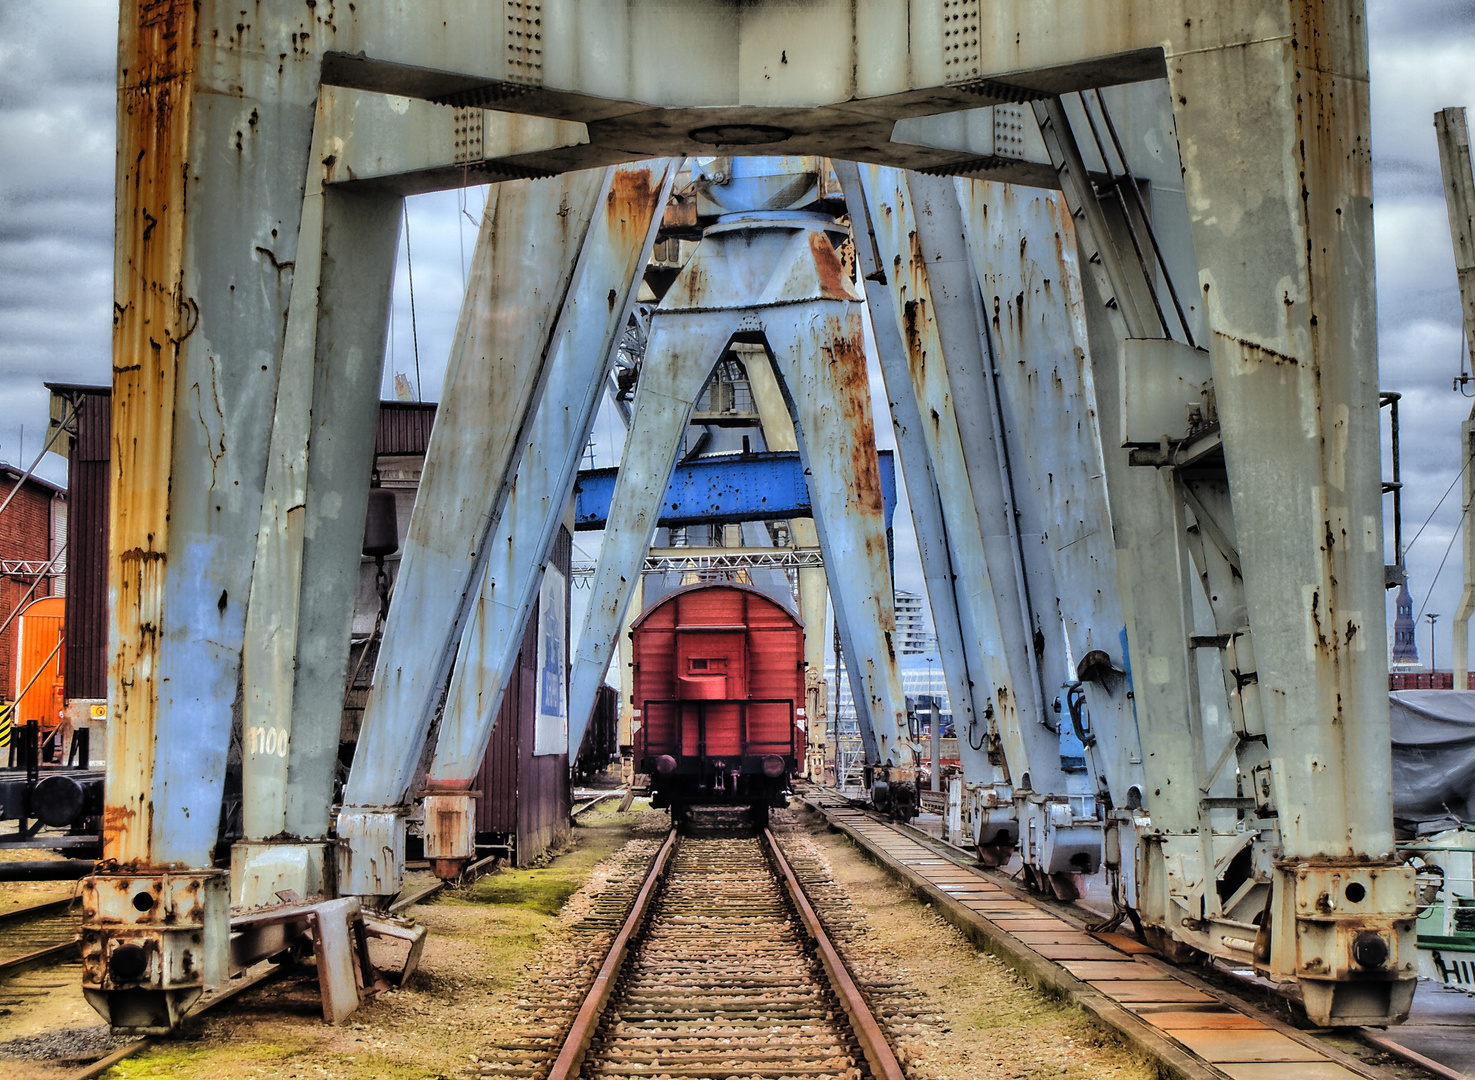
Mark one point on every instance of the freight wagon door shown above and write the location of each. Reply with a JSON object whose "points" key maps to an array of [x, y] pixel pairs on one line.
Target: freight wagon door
{"points": [[712, 668], [39, 662]]}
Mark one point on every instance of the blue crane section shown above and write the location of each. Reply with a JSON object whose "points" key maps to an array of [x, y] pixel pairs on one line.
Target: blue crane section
{"points": [[725, 488]]}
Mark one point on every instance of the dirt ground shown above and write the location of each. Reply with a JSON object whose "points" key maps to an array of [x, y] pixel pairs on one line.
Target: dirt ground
{"points": [[497, 947]]}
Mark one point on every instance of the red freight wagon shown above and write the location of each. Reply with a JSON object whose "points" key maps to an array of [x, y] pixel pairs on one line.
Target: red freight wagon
{"points": [[719, 696]]}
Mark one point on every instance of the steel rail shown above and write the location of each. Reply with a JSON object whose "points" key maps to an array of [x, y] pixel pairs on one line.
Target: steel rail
{"points": [[266, 970], [46, 907], [1380, 1041], [40, 958], [863, 1022], [571, 1056], [47, 955], [1077, 912]]}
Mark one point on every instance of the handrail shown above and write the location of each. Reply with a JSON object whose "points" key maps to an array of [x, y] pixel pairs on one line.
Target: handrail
{"points": [[34, 585]]}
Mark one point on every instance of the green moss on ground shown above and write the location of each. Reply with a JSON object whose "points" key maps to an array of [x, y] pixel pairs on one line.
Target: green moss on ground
{"points": [[481, 938]]}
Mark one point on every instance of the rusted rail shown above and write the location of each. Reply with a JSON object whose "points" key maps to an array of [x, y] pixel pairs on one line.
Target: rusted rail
{"points": [[667, 985], [36, 936], [571, 1057], [863, 1022], [257, 975]]}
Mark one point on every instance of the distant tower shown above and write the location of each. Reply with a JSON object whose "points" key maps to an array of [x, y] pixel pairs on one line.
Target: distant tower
{"points": [[1404, 649]]}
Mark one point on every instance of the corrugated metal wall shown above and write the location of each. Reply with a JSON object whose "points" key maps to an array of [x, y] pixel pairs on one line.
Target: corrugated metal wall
{"points": [[86, 672], [404, 427], [524, 796]]}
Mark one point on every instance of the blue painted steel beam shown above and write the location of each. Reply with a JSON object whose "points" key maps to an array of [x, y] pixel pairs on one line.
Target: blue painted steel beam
{"points": [[727, 489]]}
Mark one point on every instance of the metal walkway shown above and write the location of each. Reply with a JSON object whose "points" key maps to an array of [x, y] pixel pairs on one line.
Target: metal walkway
{"points": [[1189, 1027]]}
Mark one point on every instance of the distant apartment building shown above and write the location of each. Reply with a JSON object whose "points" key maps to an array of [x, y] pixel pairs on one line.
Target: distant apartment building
{"points": [[913, 626]]}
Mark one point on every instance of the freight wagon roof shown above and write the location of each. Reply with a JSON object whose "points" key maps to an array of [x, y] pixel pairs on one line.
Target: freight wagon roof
{"points": [[701, 586]]}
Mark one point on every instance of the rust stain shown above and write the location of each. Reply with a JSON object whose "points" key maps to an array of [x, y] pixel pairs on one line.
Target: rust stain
{"points": [[847, 356], [832, 276], [152, 319]]}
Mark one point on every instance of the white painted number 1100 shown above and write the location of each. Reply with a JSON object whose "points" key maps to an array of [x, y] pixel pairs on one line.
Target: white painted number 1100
{"points": [[270, 740]]}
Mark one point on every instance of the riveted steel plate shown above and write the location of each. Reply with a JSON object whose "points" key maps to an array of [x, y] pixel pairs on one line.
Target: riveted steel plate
{"points": [[1304, 1070], [1064, 935], [1124, 943], [1014, 925], [1076, 952]]}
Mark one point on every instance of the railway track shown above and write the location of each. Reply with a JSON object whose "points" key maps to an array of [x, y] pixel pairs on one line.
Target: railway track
{"points": [[1163, 1009], [721, 969], [37, 936]]}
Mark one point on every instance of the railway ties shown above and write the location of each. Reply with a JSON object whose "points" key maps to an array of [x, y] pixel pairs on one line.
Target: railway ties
{"points": [[722, 970], [721, 984]]}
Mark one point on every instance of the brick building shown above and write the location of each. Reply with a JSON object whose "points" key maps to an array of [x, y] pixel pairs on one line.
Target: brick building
{"points": [[32, 532]]}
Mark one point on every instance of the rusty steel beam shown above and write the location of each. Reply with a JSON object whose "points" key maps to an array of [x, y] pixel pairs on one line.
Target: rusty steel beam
{"points": [[1459, 199], [775, 282], [619, 246], [971, 642], [295, 655], [516, 314], [1023, 248]]}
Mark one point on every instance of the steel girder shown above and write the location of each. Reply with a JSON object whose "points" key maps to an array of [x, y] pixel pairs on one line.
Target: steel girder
{"points": [[295, 654], [1268, 105], [522, 307], [928, 336], [778, 434], [1035, 589], [1235, 865], [1023, 248], [1459, 199], [778, 283], [618, 247]]}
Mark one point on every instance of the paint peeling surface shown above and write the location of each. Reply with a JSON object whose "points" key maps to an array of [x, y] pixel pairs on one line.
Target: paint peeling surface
{"points": [[1023, 246], [943, 369], [619, 245], [815, 342], [516, 312], [1295, 372], [197, 332]]}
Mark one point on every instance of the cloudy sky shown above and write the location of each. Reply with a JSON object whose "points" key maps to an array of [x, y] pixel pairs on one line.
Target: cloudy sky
{"points": [[57, 76]]}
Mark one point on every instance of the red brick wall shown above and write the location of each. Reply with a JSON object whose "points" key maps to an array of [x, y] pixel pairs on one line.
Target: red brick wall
{"points": [[25, 533], [1421, 680]]}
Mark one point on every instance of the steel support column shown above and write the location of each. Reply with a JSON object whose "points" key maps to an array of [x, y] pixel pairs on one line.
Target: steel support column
{"points": [[1296, 381], [617, 249], [533, 239], [201, 288], [1023, 248], [984, 534], [778, 434], [778, 283], [959, 588], [295, 655]]}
